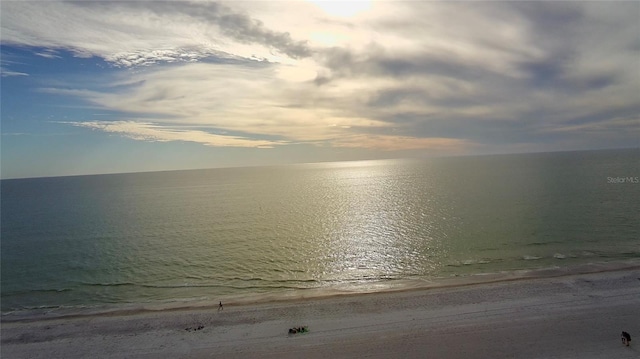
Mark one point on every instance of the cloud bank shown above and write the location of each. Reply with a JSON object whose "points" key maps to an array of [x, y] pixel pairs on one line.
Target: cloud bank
{"points": [[451, 77]]}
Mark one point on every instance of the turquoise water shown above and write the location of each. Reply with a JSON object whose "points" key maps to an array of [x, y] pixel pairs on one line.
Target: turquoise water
{"points": [[202, 235]]}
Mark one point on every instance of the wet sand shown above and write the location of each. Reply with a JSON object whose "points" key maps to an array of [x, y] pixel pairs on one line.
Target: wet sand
{"points": [[561, 315]]}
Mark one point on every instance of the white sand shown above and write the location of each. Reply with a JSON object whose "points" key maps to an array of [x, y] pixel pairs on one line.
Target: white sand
{"points": [[572, 316]]}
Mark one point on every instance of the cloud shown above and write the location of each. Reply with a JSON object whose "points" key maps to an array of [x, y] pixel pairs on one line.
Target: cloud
{"points": [[402, 76], [252, 99], [403, 143], [6, 72], [144, 32], [498, 72], [49, 54], [630, 124], [147, 131]]}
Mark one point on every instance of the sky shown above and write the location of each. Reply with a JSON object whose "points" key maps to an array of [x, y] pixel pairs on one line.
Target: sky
{"points": [[114, 86]]}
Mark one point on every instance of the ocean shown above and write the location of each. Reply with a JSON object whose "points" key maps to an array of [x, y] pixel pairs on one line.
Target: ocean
{"points": [[182, 237]]}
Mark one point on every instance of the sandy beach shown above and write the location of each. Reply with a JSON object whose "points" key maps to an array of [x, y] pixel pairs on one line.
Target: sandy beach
{"points": [[558, 315]]}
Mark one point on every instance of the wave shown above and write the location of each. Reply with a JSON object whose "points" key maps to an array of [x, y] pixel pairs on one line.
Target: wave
{"points": [[260, 279], [531, 258], [187, 285], [116, 284], [470, 262], [537, 244], [245, 284], [585, 254], [32, 291]]}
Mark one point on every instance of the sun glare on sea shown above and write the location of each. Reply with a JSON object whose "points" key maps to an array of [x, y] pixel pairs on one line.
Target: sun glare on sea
{"points": [[343, 8]]}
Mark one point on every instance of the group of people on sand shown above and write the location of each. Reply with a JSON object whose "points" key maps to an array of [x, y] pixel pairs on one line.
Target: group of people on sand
{"points": [[298, 330], [293, 330], [192, 329]]}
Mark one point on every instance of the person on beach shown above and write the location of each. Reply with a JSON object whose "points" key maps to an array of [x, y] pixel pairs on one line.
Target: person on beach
{"points": [[220, 307], [626, 338]]}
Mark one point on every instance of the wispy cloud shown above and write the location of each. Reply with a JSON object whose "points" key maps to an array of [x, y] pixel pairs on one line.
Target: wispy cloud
{"points": [[630, 124], [403, 143], [147, 131], [49, 54], [7, 72]]}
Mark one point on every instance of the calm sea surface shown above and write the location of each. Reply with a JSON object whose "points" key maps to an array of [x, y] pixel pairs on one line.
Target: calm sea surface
{"points": [[174, 237]]}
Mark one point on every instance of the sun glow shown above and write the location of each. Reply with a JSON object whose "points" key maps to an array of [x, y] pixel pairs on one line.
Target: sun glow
{"points": [[343, 8]]}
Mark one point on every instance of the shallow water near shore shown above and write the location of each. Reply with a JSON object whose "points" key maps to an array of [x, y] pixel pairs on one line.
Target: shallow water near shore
{"points": [[293, 297], [170, 239]]}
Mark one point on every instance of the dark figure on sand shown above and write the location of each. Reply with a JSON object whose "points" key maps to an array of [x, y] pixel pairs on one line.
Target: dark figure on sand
{"points": [[626, 338], [220, 307], [298, 330]]}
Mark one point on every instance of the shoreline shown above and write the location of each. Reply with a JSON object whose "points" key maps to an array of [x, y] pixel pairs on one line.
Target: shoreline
{"points": [[564, 315], [319, 294], [560, 316]]}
